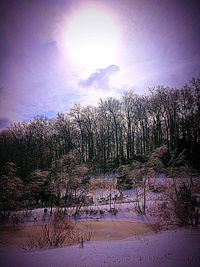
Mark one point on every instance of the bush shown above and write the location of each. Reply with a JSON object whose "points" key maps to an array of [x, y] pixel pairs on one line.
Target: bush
{"points": [[140, 158], [123, 179], [183, 205], [180, 206], [58, 231]]}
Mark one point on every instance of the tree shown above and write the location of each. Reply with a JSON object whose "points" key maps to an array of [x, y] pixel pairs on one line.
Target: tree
{"points": [[38, 187], [78, 186], [11, 188]]}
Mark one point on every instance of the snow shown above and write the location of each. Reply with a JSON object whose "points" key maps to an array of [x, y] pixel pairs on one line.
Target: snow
{"points": [[169, 248], [164, 249]]}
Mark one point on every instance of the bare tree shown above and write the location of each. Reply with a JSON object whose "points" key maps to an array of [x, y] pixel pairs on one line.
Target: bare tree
{"points": [[11, 188]]}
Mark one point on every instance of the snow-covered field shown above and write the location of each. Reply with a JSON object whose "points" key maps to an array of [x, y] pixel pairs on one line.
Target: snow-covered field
{"points": [[164, 249], [171, 248]]}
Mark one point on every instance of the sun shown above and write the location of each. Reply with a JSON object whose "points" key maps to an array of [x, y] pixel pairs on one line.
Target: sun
{"points": [[92, 37]]}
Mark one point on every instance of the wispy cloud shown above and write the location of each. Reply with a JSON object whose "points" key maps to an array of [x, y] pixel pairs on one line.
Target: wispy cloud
{"points": [[98, 85], [100, 78], [4, 122]]}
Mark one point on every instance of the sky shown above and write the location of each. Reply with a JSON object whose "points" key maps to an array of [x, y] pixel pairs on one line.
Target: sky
{"points": [[55, 53]]}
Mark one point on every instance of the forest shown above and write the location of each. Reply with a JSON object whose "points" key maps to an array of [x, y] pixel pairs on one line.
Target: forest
{"points": [[39, 154]]}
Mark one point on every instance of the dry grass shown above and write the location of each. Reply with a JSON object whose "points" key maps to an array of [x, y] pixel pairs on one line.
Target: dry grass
{"points": [[88, 230], [13, 236], [112, 230], [34, 236]]}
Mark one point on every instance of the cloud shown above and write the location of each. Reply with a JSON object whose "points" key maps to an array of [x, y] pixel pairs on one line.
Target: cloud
{"points": [[4, 122], [100, 78]]}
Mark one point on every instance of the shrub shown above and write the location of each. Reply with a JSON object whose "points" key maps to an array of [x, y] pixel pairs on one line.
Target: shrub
{"points": [[58, 231], [180, 206], [140, 158]]}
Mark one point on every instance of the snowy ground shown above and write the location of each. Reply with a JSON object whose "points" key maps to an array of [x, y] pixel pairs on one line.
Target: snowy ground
{"points": [[170, 248], [164, 249]]}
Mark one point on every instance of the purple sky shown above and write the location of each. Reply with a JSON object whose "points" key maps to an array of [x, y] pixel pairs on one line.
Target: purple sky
{"points": [[160, 44]]}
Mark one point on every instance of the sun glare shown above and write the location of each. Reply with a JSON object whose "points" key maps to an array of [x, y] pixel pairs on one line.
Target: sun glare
{"points": [[92, 38]]}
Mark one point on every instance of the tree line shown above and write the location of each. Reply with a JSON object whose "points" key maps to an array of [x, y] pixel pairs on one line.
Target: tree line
{"points": [[116, 131], [44, 160]]}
